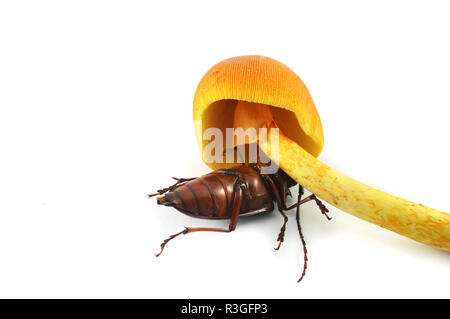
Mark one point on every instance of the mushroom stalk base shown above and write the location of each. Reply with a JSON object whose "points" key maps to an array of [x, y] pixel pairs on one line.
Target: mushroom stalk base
{"points": [[418, 222]]}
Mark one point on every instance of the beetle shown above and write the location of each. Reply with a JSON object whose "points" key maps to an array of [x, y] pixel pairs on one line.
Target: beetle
{"points": [[232, 193]]}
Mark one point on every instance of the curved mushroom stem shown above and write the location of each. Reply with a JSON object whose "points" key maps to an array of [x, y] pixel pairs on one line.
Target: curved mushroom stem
{"points": [[418, 222]]}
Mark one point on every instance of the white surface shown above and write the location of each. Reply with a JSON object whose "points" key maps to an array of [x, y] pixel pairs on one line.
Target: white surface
{"points": [[96, 112]]}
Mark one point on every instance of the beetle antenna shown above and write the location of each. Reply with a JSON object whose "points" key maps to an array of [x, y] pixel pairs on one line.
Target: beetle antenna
{"points": [[237, 149], [305, 251]]}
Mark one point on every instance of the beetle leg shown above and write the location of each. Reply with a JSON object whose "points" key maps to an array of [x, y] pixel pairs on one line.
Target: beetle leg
{"points": [[280, 238], [237, 202], [323, 209], [188, 230], [278, 199], [179, 182], [232, 226], [281, 207]]}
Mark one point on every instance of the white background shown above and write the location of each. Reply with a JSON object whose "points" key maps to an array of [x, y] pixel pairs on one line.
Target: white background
{"points": [[96, 112]]}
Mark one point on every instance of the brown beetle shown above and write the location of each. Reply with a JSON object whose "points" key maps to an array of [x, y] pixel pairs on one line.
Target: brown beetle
{"points": [[232, 193]]}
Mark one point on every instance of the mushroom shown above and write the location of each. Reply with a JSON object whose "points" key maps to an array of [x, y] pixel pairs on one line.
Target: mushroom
{"points": [[257, 92]]}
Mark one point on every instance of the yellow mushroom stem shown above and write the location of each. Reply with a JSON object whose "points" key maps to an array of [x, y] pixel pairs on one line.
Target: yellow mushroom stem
{"points": [[418, 222]]}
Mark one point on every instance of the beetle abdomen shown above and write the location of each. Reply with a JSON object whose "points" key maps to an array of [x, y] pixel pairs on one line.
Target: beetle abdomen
{"points": [[207, 196], [212, 195]]}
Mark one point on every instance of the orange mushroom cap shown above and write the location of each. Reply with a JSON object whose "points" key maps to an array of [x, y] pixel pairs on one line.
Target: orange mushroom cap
{"points": [[262, 80]]}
